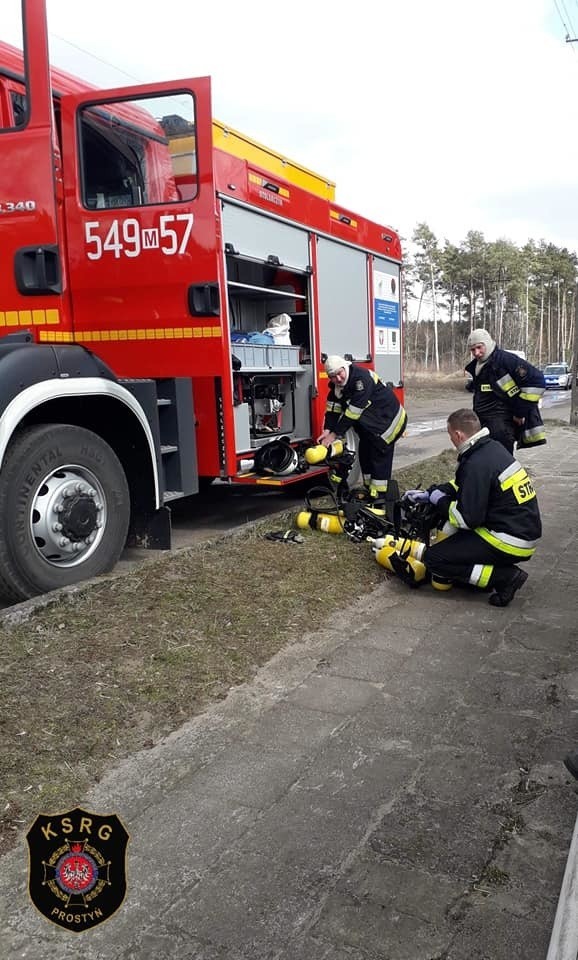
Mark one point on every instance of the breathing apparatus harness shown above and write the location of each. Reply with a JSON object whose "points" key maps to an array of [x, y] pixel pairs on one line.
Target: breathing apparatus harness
{"points": [[358, 519], [340, 461]]}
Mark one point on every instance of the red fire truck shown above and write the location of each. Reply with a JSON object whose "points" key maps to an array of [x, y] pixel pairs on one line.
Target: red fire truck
{"points": [[149, 258]]}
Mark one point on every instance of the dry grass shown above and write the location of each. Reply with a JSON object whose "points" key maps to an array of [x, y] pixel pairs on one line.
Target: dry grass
{"points": [[102, 673]]}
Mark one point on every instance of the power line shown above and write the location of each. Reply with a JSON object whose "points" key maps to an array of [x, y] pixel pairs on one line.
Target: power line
{"points": [[569, 39], [565, 9], [106, 63]]}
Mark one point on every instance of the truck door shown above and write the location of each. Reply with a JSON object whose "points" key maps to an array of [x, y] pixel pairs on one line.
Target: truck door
{"points": [[30, 255], [141, 227]]}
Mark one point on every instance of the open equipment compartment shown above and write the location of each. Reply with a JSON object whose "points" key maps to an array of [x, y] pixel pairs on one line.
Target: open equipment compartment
{"points": [[272, 381]]}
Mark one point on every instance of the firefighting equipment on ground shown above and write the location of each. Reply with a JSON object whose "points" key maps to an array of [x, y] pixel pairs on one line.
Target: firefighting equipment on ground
{"points": [[327, 522], [415, 548], [284, 536], [344, 514], [471, 531], [277, 458]]}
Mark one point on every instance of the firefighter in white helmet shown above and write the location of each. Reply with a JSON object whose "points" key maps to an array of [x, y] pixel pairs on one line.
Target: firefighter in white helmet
{"points": [[359, 400]]}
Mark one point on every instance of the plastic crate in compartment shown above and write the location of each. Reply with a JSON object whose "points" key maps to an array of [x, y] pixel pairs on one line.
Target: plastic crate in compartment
{"points": [[280, 356], [252, 355]]}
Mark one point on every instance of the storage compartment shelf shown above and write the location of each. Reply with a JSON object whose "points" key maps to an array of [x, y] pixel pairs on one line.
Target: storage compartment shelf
{"points": [[264, 357], [254, 292]]}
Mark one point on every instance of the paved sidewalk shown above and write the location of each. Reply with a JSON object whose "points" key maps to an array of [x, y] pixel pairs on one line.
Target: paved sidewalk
{"points": [[389, 789]]}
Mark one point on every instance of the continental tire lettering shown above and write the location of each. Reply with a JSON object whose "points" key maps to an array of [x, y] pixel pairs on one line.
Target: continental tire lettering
{"points": [[91, 453], [38, 469], [42, 465]]}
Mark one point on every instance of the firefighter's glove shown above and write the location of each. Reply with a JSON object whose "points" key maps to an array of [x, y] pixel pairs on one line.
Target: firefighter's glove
{"points": [[416, 496], [435, 496], [285, 536]]}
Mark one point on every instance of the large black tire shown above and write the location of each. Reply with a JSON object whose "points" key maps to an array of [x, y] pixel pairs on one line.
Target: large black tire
{"points": [[64, 510]]}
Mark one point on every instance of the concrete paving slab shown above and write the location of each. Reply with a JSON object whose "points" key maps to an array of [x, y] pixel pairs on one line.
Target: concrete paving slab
{"points": [[489, 933]]}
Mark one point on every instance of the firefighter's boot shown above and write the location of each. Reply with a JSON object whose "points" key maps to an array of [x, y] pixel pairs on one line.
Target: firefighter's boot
{"points": [[505, 589], [441, 583]]}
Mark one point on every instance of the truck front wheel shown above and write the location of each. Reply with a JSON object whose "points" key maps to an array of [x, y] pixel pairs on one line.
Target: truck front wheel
{"points": [[64, 509]]}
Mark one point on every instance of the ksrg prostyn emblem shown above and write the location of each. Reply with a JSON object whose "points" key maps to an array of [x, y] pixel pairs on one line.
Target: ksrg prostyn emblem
{"points": [[77, 867]]}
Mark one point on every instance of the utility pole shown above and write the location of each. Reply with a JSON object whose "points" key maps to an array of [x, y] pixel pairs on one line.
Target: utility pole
{"points": [[574, 395]]}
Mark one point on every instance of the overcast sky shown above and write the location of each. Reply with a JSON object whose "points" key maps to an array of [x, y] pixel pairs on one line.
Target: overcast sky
{"points": [[460, 113]]}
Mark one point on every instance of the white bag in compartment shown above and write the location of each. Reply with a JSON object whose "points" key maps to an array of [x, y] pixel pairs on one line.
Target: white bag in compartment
{"points": [[279, 327]]}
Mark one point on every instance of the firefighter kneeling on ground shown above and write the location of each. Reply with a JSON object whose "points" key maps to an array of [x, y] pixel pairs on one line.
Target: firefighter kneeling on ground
{"points": [[491, 515], [359, 400]]}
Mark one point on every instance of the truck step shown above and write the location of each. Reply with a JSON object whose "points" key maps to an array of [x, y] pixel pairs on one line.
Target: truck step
{"points": [[169, 495]]}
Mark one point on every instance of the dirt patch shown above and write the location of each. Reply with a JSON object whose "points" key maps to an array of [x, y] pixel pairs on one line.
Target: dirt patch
{"points": [[107, 671], [422, 388]]}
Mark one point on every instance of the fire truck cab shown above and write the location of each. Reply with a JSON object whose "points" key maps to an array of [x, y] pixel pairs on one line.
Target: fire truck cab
{"points": [[168, 291]]}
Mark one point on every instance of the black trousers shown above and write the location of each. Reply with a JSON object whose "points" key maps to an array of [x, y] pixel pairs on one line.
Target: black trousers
{"points": [[469, 559], [502, 429], [375, 455]]}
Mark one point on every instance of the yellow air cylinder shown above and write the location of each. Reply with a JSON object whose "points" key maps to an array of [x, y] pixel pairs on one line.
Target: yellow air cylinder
{"points": [[380, 542], [418, 568], [316, 454], [326, 522], [384, 555], [415, 548], [319, 453]]}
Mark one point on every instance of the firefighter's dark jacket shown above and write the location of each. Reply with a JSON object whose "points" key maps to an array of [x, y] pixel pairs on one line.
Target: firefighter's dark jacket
{"points": [[515, 387], [365, 402], [495, 498]]}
